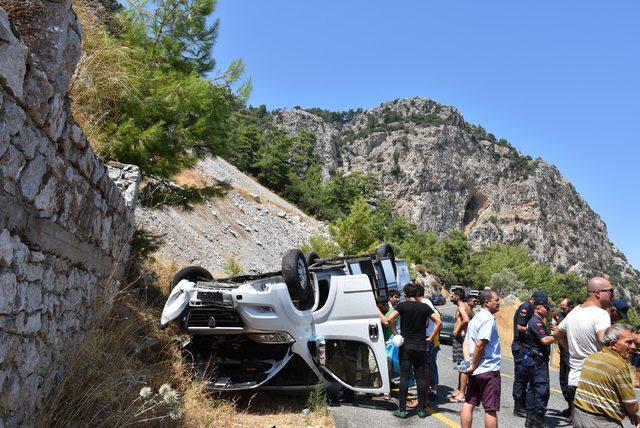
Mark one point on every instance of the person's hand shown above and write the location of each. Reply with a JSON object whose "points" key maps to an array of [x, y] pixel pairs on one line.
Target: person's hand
{"points": [[554, 327], [470, 370], [428, 340]]}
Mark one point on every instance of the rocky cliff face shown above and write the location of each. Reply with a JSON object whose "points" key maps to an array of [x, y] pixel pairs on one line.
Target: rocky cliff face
{"points": [[444, 173]]}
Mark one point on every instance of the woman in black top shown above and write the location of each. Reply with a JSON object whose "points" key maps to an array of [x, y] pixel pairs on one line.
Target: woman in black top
{"points": [[414, 318]]}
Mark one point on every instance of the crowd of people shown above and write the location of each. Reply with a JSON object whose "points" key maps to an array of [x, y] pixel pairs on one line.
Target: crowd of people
{"points": [[594, 343]]}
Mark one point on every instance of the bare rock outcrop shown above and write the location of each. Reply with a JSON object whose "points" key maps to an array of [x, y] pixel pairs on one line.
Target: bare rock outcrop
{"points": [[444, 173]]}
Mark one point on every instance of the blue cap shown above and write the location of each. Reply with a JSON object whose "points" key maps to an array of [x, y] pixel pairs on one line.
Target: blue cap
{"points": [[541, 299], [622, 307], [537, 294]]}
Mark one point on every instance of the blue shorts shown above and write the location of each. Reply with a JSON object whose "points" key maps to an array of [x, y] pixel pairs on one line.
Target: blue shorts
{"points": [[432, 366]]}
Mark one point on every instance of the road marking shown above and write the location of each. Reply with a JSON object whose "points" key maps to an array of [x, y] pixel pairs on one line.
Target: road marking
{"points": [[442, 418]]}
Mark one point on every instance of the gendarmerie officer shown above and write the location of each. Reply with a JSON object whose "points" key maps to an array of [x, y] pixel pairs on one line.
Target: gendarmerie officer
{"points": [[563, 376], [520, 319], [535, 361]]}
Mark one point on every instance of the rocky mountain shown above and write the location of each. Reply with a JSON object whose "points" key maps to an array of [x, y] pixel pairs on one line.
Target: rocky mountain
{"points": [[251, 224], [444, 173]]}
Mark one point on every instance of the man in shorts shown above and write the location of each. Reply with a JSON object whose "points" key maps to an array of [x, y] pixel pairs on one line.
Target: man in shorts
{"points": [[483, 344], [463, 315]]}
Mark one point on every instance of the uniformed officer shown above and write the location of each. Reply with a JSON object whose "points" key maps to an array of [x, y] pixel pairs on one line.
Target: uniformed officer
{"points": [[566, 305], [535, 361], [520, 319]]}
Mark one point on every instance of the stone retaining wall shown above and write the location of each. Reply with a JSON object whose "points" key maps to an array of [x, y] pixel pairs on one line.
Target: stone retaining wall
{"points": [[65, 226]]}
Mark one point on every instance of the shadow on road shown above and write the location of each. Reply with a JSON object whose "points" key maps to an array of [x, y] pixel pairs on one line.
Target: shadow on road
{"points": [[554, 420]]}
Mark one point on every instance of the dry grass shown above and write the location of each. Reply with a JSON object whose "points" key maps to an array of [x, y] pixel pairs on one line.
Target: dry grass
{"points": [[104, 374], [105, 75], [189, 177]]}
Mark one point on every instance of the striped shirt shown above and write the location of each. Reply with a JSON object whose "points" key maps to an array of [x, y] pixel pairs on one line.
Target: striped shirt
{"points": [[605, 385]]}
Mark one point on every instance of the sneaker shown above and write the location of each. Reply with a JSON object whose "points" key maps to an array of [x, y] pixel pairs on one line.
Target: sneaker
{"points": [[400, 414], [422, 414], [519, 410]]}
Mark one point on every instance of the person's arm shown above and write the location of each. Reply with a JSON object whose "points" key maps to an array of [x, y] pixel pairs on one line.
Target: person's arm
{"points": [[456, 323], [560, 334], [627, 394], [602, 322], [634, 418], [632, 410], [437, 326], [391, 321], [383, 319], [478, 352], [521, 319], [547, 340]]}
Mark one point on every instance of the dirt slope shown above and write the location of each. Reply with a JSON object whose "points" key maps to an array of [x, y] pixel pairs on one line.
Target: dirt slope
{"points": [[250, 224]]}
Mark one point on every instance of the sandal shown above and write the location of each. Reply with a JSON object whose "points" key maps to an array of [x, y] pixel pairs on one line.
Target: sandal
{"points": [[456, 400], [412, 404]]}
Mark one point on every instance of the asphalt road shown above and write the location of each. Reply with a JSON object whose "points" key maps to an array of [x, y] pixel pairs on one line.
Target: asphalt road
{"points": [[371, 412]]}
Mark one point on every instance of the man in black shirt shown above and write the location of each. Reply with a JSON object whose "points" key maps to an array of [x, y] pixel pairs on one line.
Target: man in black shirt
{"points": [[565, 307], [414, 318]]}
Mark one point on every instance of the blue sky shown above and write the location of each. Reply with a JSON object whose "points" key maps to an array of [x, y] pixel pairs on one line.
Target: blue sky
{"points": [[559, 80]]}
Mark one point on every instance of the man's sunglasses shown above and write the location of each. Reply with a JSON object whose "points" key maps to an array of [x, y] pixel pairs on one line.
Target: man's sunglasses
{"points": [[608, 290]]}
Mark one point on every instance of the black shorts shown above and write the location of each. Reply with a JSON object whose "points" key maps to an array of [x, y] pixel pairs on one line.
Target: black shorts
{"points": [[456, 349]]}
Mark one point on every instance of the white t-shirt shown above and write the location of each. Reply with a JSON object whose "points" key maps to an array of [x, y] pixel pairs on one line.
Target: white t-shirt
{"points": [[581, 326], [433, 308]]}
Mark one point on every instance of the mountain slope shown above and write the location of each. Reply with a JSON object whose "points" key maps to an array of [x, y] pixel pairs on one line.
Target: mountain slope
{"points": [[250, 224], [444, 173]]}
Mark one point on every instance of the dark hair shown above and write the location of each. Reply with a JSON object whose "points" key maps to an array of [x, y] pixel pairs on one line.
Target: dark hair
{"points": [[419, 290], [394, 293], [569, 302], [459, 292], [409, 290], [486, 296], [381, 300]]}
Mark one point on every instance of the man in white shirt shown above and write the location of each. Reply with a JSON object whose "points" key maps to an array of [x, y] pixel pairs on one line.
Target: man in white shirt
{"points": [[483, 344], [582, 330]]}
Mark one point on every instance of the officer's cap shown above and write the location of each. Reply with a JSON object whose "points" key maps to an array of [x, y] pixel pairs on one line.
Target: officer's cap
{"points": [[622, 307], [541, 300], [537, 294]]}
